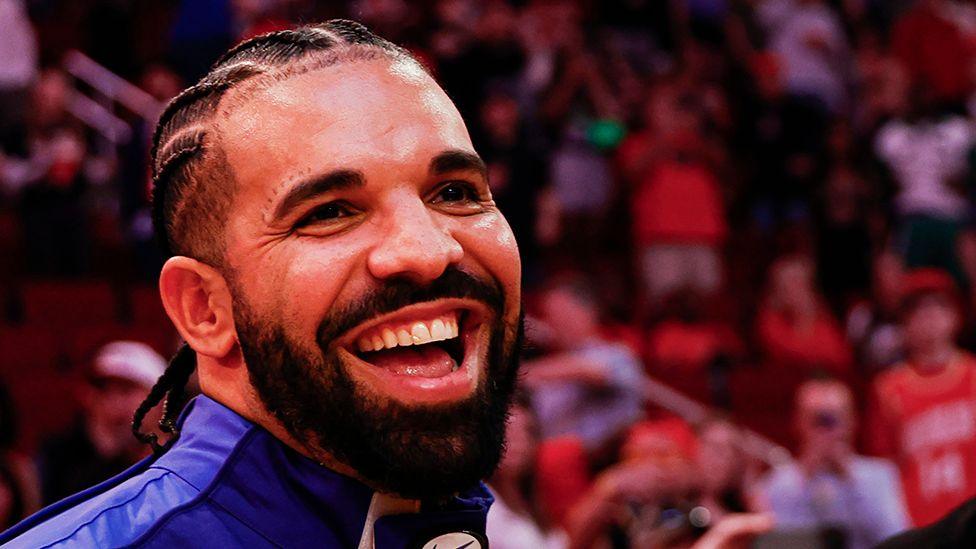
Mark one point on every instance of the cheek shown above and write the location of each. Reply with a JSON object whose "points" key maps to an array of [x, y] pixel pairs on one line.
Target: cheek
{"points": [[304, 282], [489, 241]]}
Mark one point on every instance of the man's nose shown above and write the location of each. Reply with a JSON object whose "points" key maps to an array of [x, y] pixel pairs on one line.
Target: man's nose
{"points": [[415, 246]]}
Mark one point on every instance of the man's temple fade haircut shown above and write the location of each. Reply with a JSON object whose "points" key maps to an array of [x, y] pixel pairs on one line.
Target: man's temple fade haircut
{"points": [[193, 185]]}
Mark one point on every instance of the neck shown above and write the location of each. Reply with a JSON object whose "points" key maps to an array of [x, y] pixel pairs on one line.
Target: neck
{"points": [[247, 404]]}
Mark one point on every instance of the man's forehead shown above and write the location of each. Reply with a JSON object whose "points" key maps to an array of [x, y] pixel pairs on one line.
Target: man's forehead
{"points": [[820, 395], [338, 116]]}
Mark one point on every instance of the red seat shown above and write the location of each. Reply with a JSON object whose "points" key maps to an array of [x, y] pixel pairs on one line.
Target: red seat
{"points": [[29, 347], [66, 303], [146, 307], [46, 403], [84, 342]]}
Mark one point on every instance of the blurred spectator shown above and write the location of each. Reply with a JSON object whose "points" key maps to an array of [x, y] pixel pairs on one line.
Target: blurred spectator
{"points": [[727, 474], [18, 49], [849, 222], [486, 56], [882, 81], [580, 110], [687, 340], [512, 521], [830, 486], [52, 209], [791, 134], [624, 504], [809, 37], [678, 210], [584, 386], [515, 170], [794, 328], [923, 414], [19, 488], [665, 493], [101, 445], [873, 325], [926, 152]]}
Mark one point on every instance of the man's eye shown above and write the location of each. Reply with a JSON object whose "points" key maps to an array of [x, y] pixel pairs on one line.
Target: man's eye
{"points": [[456, 192], [325, 212]]}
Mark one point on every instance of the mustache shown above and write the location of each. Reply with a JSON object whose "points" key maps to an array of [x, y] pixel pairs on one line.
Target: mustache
{"points": [[399, 293]]}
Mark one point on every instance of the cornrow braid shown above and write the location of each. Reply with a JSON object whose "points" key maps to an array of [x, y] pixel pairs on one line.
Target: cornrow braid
{"points": [[191, 179], [176, 375]]}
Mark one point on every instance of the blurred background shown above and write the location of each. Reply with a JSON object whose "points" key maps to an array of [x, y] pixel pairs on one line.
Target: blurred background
{"points": [[746, 229]]}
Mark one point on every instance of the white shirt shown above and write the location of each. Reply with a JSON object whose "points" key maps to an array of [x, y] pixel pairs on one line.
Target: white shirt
{"points": [[923, 157], [510, 530]]}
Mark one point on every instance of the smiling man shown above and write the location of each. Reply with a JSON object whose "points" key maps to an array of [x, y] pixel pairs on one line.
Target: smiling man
{"points": [[349, 295]]}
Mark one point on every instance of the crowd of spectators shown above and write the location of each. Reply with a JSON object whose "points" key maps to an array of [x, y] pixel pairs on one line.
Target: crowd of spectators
{"points": [[765, 204]]}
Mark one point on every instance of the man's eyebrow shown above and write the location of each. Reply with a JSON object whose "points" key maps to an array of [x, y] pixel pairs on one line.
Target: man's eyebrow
{"points": [[456, 161], [316, 185]]}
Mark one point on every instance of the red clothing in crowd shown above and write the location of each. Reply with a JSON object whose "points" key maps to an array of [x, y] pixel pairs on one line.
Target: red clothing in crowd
{"points": [[688, 347], [935, 52], [679, 203], [927, 425], [819, 344]]}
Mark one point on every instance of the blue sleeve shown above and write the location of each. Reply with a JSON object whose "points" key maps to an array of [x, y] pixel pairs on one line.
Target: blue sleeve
{"points": [[626, 372], [114, 518]]}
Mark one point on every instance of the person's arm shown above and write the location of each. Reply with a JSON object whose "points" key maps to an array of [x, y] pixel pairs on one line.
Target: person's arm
{"points": [[563, 368], [882, 504], [638, 482]]}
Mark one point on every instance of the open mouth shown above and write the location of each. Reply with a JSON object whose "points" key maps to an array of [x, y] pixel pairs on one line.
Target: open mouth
{"points": [[427, 348], [426, 351]]}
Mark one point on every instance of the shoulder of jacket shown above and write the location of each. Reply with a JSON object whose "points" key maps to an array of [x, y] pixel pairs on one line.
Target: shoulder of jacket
{"points": [[114, 518]]}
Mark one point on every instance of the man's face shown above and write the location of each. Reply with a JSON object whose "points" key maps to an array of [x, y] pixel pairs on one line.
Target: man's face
{"points": [[110, 403], [376, 286], [825, 414], [932, 321]]}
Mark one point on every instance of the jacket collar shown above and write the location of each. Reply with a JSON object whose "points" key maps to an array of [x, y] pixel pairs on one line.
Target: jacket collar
{"points": [[254, 476]]}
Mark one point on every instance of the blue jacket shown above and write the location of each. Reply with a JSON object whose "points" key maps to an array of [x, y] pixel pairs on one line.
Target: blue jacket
{"points": [[229, 483]]}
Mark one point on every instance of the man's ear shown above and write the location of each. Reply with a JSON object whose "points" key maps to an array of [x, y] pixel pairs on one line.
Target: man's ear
{"points": [[197, 300]]}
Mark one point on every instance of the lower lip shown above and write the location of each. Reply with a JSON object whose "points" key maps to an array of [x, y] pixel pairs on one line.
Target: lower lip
{"points": [[423, 390]]}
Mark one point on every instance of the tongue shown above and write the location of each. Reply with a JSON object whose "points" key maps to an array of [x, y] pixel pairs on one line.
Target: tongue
{"points": [[421, 361]]}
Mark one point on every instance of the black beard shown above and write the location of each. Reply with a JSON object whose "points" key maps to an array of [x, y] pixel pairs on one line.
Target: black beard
{"points": [[417, 452]]}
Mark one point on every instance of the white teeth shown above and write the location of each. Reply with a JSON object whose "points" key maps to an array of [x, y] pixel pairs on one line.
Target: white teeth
{"points": [[437, 330], [365, 345], [418, 333]]}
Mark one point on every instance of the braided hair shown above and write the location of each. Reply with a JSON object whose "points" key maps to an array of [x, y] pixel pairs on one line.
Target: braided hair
{"points": [[192, 183]]}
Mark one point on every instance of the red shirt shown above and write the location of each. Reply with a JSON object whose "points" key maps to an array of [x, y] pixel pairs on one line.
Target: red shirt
{"points": [[818, 345], [926, 423], [679, 203]]}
